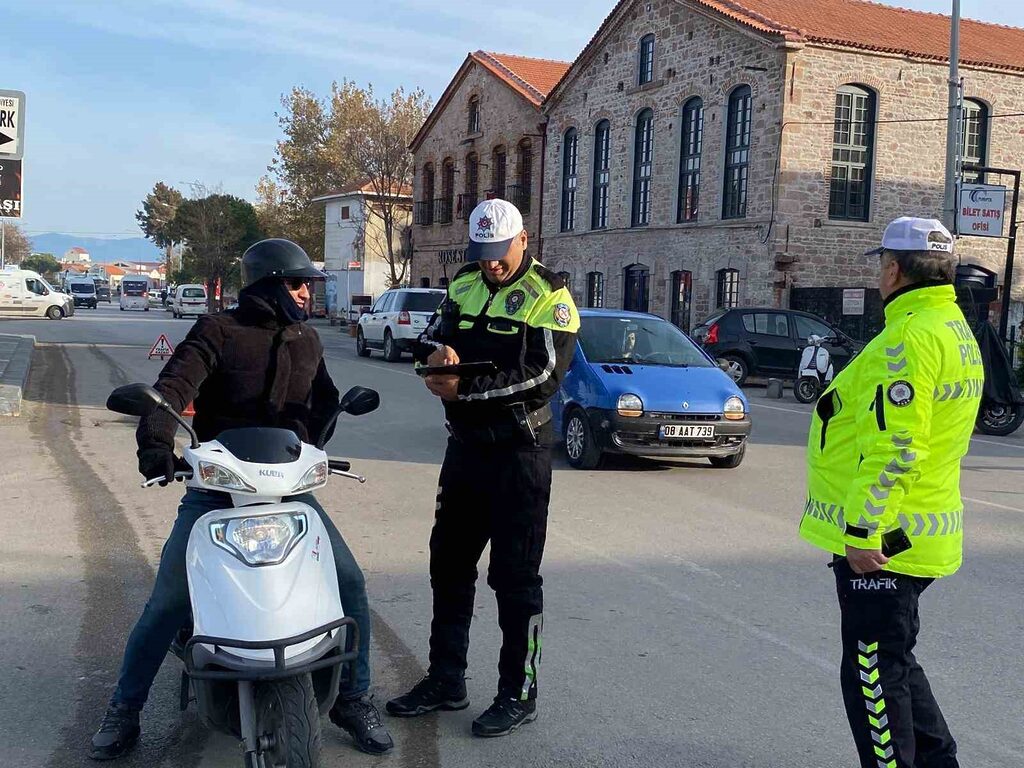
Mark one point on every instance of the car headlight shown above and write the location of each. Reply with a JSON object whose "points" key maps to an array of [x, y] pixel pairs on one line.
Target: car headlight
{"points": [[734, 409], [316, 476], [630, 405], [221, 477], [265, 540]]}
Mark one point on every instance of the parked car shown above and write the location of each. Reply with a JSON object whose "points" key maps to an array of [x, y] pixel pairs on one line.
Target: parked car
{"points": [[83, 291], [765, 341], [638, 385], [395, 320], [188, 299], [102, 290]]}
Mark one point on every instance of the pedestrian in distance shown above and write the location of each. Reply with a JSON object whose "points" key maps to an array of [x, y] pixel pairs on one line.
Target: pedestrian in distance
{"points": [[886, 442], [259, 365], [504, 308]]}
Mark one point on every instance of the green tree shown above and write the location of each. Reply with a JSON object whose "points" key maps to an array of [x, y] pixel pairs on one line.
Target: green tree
{"points": [[216, 230], [156, 219], [43, 263]]}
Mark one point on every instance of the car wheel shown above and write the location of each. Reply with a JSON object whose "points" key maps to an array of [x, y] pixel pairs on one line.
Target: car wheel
{"points": [[737, 368], [729, 462], [55, 313], [807, 389], [581, 450], [391, 351], [361, 349]]}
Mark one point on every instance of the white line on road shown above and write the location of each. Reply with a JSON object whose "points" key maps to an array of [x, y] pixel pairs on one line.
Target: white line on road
{"points": [[91, 344], [780, 408], [993, 504]]}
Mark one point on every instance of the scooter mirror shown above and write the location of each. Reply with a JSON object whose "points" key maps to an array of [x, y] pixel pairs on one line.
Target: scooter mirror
{"points": [[136, 400], [359, 401]]}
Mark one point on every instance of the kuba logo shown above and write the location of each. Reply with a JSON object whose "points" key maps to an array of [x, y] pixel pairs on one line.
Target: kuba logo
{"points": [[271, 473]]}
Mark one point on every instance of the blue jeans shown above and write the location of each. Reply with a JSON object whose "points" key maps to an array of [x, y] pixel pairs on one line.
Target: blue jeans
{"points": [[169, 609]]}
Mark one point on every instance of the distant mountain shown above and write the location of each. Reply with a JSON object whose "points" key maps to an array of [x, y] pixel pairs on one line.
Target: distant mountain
{"points": [[101, 250]]}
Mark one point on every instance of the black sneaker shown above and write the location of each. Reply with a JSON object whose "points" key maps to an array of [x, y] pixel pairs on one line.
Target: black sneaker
{"points": [[504, 716], [118, 733], [362, 721], [427, 695]]}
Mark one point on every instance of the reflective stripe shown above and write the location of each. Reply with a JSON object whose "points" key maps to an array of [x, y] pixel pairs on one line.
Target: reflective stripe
{"points": [[956, 390], [878, 720], [533, 652], [829, 513], [933, 523], [543, 376]]}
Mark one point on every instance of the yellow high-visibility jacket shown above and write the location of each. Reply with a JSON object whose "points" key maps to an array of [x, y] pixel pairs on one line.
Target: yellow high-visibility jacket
{"points": [[888, 434]]}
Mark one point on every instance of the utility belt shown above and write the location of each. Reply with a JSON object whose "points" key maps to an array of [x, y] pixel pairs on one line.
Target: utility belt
{"points": [[513, 425]]}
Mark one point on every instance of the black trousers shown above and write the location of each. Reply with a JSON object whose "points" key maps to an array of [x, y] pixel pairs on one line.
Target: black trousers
{"points": [[497, 493], [894, 717]]}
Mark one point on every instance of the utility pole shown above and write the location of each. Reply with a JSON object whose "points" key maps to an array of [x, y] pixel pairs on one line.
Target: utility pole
{"points": [[3, 244], [949, 202]]}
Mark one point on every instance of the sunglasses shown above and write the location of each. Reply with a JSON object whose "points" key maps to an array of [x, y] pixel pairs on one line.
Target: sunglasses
{"points": [[295, 283]]}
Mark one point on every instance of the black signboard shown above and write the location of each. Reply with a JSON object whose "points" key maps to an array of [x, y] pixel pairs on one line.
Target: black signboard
{"points": [[10, 189]]}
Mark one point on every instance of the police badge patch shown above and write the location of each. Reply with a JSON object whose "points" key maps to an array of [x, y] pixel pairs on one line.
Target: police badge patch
{"points": [[900, 393], [514, 301], [562, 315]]}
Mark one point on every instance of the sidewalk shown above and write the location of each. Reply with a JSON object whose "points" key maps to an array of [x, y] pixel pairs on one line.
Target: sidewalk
{"points": [[15, 363]]}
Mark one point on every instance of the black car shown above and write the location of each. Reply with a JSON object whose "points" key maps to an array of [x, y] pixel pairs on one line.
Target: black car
{"points": [[103, 292], [766, 341]]}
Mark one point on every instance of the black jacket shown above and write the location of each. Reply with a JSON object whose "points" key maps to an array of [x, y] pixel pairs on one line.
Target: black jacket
{"points": [[244, 368]]}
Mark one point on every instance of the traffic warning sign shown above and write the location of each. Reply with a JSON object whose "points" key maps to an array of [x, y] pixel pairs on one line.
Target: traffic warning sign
{"points": [[162, 348]]}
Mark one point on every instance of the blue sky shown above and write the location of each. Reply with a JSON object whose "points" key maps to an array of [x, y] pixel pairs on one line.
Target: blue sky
{"points": [[123, 93]]}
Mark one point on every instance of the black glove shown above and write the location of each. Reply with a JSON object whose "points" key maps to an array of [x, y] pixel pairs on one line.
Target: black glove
{"points": [[159, 462]]}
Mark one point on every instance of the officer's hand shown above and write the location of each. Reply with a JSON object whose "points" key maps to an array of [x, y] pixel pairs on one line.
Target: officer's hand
{"points": [[159, 462], [865, 560], [445, 387], [443, 356]]}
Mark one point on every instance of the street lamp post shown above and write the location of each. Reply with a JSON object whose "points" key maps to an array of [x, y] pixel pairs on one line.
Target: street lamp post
{"points": [[952, 122]]}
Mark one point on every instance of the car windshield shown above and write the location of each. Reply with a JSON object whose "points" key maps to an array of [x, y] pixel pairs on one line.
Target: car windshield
{"points": [[421, 302], [83, 288], [193, 293], [638, 341]]}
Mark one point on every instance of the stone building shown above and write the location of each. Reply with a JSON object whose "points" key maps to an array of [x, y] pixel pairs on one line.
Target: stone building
{"points": [[483, 139], [703, 154]]}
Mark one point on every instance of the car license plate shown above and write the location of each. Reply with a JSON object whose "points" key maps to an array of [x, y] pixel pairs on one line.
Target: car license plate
{"points": [[687, 432]]}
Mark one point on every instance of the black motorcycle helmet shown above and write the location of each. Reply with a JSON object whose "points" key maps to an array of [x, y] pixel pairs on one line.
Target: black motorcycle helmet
{"points": [[276, 257]]}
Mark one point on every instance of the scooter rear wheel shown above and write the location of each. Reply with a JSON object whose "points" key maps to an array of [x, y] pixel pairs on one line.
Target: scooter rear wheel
{"points": [[999, 420], [287, 724], [806, 389]]}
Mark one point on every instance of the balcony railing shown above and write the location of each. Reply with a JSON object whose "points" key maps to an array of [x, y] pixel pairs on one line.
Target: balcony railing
{"points": [[443, 210], [467, 202], [423, 213], [519, 196]]}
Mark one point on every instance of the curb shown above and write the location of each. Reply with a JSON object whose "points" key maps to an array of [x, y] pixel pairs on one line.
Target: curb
{"points": [[15, 364]]}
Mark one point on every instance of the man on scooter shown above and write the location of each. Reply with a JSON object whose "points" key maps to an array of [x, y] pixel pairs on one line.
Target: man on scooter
{"points": [[258, 365]]}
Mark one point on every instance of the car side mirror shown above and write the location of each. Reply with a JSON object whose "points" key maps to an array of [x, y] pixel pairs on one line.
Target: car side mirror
{"points": [[136, 400], [359, 401]]}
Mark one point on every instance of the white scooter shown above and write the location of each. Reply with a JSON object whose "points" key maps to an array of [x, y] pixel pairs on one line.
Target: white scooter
{"points": [[263, 658], [815, 371]]}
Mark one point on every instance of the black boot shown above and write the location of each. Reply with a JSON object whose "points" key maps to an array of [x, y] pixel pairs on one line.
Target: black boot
{"points": [[505, 715], [119, 730], [362, 721], [427, 695]]}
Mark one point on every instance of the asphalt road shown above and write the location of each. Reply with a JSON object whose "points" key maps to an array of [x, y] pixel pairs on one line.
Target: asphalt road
{"points": [[686, 623]]}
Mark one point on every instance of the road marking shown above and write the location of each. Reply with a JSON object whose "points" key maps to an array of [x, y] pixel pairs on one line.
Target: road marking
{"points": [[993, 504], [994, 442], [780, 408], [90, 344]]}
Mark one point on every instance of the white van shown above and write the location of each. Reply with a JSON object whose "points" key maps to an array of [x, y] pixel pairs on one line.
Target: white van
{"points": [[24, 293], [189, 299], [82, 291], [134, 293]]}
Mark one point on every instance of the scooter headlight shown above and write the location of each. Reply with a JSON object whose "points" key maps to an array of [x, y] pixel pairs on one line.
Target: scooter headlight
{"points": [[316, 477], [221, 477], [734, 409], [264, 540]]}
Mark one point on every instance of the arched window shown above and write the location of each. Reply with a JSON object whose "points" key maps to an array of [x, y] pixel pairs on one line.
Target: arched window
{"points": [[643, 162], [852, 154], [443, 212], [499, 171], [474, 115], [974, 139], [737, 154], [602, 175], [646, 60], [524, 176], [595, 289], [635, 283], [471, 195], [689, 159], [727, 288], [569, 146]]}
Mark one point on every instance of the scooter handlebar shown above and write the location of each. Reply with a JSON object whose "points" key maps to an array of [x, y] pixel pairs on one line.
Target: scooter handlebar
{"points": [[338, 464], [182, 475]]}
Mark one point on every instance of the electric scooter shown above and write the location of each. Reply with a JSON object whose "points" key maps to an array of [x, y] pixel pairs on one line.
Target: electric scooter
{"points": [[263, 657], [815, 371]]}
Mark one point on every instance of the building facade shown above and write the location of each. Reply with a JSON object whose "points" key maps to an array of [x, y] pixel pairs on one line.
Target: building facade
{"points": [[701, 155], [483, 139]]}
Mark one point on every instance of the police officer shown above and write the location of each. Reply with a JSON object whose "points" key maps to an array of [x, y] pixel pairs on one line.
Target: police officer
{"points": [[258, 365], [502, 307], [886, 442]]}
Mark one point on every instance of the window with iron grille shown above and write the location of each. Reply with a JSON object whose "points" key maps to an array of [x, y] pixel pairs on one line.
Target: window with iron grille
{"points": [[682, 293], [727, 288], [643, 161], [602, 175], [443, 209], [737, 154], [521, 195], [635, 295], [689, 159], [569, 146], [974, 139], [499, 171], [474, 115], [646, 69], [595, 289], [852, 154]]}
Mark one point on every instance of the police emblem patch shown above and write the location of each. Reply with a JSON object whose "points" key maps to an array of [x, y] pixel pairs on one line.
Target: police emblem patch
{"points": [[562, 315], [514, 301], [900, 393]]}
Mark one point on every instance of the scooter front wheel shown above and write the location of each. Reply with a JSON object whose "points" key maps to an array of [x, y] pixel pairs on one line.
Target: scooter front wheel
{"points": [[807, 389], [287, 724], [1000, 420]]}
